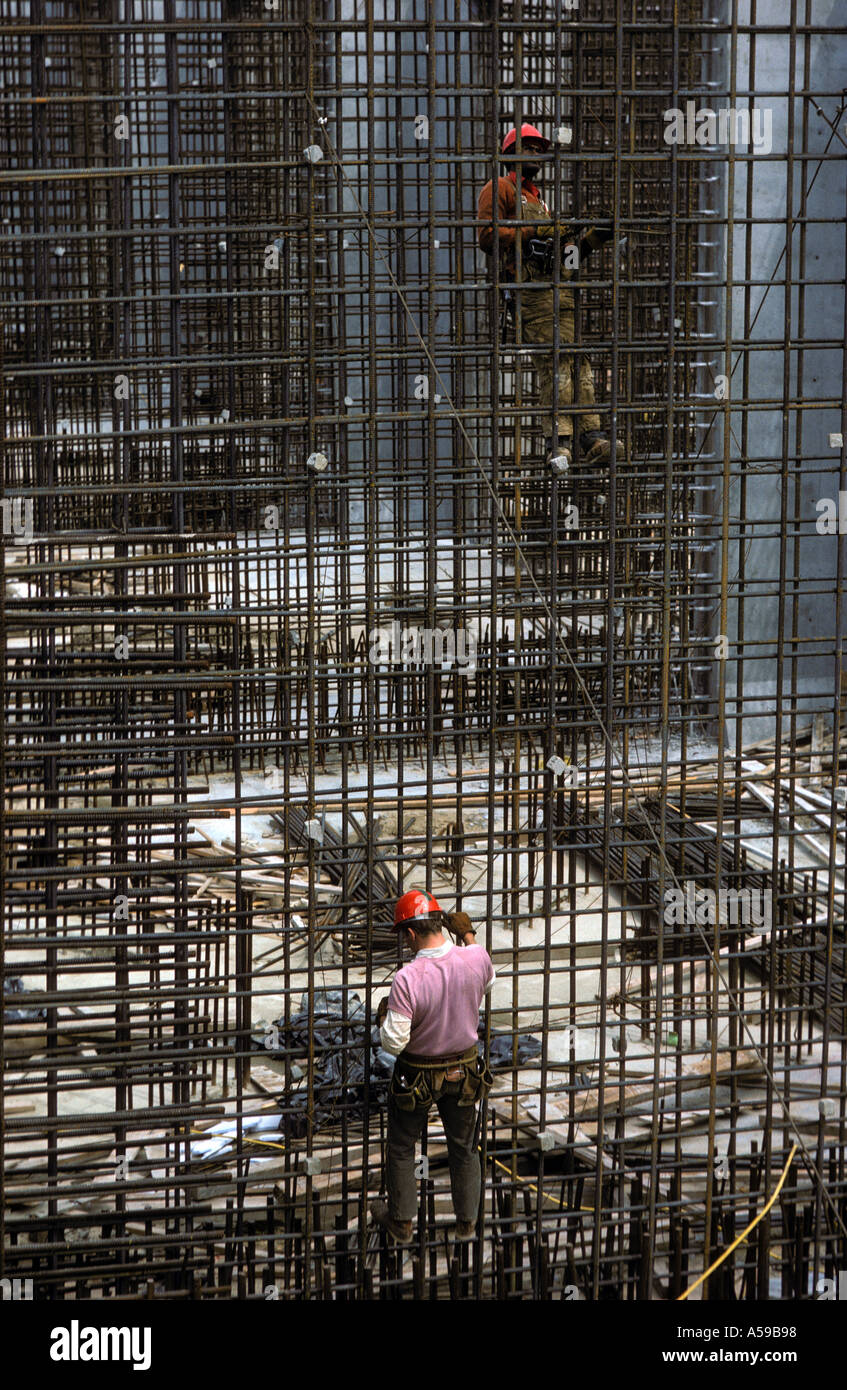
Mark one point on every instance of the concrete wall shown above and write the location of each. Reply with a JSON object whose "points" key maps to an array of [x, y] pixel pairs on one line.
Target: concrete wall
{"points": [[797, 350], [409, 254]]}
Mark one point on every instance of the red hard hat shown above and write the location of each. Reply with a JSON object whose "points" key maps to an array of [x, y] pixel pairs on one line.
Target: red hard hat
{"points": [[528, 132], [416, 903]]}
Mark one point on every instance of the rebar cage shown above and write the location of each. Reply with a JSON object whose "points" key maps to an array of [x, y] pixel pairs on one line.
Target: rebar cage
{"points": [[296, 616]]}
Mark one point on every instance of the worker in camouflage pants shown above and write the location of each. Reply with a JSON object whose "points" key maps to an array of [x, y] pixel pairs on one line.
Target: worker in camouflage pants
{"points": [[537, 325], [534, 237]]}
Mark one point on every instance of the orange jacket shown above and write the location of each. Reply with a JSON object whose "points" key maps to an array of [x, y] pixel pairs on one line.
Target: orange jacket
{"points": [[533, 210]]}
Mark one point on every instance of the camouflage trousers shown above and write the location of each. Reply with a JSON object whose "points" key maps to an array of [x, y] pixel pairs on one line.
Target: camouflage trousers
{"points": [[537, 322]]}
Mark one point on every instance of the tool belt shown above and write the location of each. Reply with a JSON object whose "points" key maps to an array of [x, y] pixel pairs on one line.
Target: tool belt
{"points": [[417, 1081]]}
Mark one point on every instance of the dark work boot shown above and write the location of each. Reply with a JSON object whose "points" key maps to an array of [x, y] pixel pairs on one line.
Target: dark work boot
{"points": [[596, 447], [465, 1230], [401, 1231]]}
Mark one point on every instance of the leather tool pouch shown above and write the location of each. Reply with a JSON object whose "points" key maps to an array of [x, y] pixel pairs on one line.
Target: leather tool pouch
{"points": [[412, 1088], [478, 1082], [409, 1089]]}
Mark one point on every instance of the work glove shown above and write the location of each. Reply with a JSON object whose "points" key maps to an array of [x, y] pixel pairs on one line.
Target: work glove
{"points": [[382, 1010], [593, 239], [567, 230], [459, 923]]}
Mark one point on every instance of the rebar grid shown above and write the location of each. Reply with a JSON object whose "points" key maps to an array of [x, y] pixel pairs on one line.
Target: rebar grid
{"points": [[236, 240]]}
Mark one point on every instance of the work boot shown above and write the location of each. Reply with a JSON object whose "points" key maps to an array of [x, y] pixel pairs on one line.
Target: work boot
{"points": [[465, 1230], [559, 456], [401, 1231], [596, 447]]}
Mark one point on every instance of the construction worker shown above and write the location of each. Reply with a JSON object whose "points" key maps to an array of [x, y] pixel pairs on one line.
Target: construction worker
{"points": [[534, 236], [430, 1023]]}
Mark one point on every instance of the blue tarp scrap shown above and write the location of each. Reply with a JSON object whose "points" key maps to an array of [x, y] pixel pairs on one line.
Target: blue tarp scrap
{"points": [[14, 985]]}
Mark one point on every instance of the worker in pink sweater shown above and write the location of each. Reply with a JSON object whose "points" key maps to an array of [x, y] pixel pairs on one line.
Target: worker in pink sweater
{"points": [[430, 1023]]}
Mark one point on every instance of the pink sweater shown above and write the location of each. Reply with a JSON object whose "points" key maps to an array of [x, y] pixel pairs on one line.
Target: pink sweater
{"points": [[441, 996]]}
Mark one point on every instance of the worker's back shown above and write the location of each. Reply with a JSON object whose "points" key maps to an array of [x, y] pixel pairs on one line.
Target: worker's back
{"points": [[441, 991]]}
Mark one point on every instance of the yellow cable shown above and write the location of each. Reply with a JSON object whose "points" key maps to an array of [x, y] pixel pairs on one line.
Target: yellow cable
{"points": [[245, 1139], [728, 1251], [531, 1185]]}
